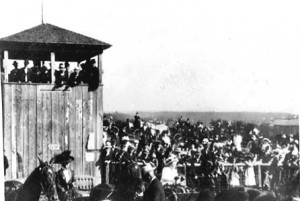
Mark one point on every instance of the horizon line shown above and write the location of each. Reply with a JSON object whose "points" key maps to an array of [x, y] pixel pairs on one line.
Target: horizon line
{"points": [[189, 111]]}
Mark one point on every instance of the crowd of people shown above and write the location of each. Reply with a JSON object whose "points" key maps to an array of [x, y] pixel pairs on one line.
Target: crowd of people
{"points": [[216, 156], [35, 74], [87, 73]]}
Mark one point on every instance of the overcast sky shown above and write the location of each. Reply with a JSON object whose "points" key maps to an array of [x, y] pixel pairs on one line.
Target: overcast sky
{"points": [[178, 55]]}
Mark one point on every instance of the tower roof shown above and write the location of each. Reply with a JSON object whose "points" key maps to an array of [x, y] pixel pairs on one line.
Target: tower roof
{"points": [[48, 33], [46, 38]]}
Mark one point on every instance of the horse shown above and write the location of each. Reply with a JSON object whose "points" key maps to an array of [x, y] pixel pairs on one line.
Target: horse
{"points": [[42, 179], [126, 186]]}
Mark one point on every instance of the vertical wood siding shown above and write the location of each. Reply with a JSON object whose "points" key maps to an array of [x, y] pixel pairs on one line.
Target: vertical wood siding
{"points": [[34, 118]]}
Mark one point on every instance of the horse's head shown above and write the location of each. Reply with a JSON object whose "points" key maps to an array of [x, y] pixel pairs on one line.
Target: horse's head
{"points": [[47, 174]]}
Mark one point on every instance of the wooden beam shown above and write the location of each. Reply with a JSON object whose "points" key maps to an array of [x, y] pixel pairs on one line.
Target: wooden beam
{"points": [[100, 67], [1, 66], [5, 65], [52, 61], [2, 197]]}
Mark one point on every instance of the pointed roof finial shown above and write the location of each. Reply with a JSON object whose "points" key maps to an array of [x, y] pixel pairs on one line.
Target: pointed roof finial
{"points": [[42, 12]]}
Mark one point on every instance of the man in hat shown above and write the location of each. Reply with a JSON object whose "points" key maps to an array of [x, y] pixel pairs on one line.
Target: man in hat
{"points": [[154, 191], [14, 73], [58, 74], [137, 121], [67, 73], [106, 155], [134, 149], [45, 76], [123, 154], [36, 72], [254, 148], [93, 75], [126, 174], [145, 153], [25, 73], [65, 177], [74, 79]]}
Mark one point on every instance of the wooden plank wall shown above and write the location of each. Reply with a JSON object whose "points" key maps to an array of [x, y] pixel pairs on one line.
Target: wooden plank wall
{"points": [[34, 118]]}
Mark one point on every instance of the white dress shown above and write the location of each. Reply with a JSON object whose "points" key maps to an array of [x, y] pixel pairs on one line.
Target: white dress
{"points": [[237, 140], [168, 175], [249, 174], [234, 179]]}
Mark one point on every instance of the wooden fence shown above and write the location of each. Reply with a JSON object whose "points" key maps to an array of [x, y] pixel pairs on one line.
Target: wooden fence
{"points": [[41, 122], [183, 169]]}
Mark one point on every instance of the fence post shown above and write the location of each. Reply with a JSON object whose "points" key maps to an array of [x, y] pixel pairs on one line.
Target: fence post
{"points": [[107, 172], [259, 176], [184, 169]]}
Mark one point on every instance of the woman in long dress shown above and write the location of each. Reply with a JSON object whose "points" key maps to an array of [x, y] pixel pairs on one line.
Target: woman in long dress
{"points": [[65, 181], [169, 172], [234, 177], [249, 171]]}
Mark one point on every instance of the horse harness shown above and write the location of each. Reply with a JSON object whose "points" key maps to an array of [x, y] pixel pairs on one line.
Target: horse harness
{"points": [[53, 183]]}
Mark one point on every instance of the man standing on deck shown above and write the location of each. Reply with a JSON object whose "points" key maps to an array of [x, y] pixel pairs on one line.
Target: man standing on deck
{"points": [[25, 73]]}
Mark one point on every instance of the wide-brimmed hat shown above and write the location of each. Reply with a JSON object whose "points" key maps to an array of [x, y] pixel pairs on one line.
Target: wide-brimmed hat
{"points": [[148, 168], [63, 158]]}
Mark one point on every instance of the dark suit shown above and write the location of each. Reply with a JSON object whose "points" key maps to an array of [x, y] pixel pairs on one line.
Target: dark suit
{"points": [[74, 79], [58, 79], [94, 79], [45, 75], [154, 192], [14, 75], [35, 74], [22, 75], [66, 76], [105, 155]]}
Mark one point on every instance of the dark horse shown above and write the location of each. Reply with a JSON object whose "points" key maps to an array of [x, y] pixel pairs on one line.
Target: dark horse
{"points": [[41, 179], [126, 185]]}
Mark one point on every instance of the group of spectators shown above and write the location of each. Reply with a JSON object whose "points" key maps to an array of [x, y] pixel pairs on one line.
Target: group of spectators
{"points": [[35, 74], [87, 73], [215, 156]]}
